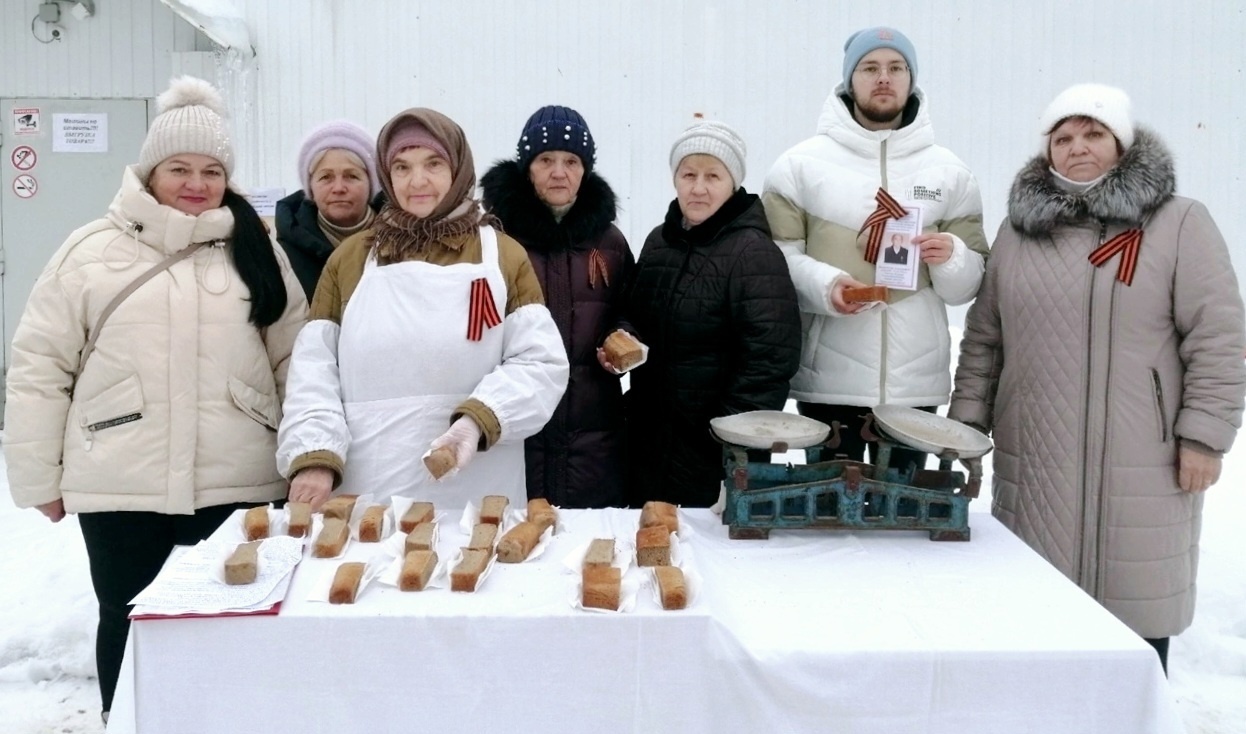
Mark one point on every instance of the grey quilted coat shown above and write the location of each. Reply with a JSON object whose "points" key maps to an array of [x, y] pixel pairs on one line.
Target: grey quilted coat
{"points": [[1088, 384]]}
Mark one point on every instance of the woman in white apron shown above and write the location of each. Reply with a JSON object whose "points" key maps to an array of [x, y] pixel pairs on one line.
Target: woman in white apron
{"points": [[427, 330]]}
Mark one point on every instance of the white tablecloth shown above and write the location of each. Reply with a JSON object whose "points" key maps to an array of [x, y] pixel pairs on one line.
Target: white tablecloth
{"points": [[821, 631]]}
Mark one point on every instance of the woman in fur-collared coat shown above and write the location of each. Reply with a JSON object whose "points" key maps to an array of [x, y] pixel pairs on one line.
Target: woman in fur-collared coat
{"points": [[550, 199], [1104, 353]]}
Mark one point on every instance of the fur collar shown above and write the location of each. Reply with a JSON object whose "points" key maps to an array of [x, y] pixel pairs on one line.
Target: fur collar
{"points": [[1141, 183], [509, 194]]}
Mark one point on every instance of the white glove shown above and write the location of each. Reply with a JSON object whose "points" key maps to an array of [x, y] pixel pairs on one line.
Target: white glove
{"points": [[462, 438]]}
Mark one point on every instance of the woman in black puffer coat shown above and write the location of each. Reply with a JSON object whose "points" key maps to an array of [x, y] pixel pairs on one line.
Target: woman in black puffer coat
{"points": [[551, 201], [713, 299]]}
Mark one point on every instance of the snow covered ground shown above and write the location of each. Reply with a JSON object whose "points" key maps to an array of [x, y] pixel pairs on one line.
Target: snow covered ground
{"points": [[47, 667]]}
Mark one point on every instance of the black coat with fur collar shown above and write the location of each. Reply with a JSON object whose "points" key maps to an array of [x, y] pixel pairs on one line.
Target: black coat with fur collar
{"points": [[577, 459]]}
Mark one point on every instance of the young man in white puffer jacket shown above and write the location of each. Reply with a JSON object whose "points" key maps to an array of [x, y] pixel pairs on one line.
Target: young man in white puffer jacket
{"points": [[874, 134]]}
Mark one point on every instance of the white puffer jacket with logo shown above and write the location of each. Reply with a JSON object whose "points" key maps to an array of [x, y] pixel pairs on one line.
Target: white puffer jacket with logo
{"points": [[817, 197]]}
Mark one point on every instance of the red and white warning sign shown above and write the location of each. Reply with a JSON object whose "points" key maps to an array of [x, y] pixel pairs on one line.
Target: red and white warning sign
{"points": [[26, 121], [24, 158], [25, 186]]}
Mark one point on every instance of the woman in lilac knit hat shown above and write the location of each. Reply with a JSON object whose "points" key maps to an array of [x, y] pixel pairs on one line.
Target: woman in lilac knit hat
{"points": [[338, 170]]}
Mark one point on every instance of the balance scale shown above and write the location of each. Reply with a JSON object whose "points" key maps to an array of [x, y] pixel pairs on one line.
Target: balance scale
{"points": [[839, 493]]}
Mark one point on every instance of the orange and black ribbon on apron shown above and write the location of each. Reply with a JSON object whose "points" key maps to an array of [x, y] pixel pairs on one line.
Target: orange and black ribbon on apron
{"points": [[888, 208], [1126, 243], [482, 313], [597, 269]]}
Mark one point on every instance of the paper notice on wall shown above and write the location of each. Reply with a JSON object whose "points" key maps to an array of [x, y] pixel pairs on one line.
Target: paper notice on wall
{"points": [[83, 132], [265, 200], [898, 262]]}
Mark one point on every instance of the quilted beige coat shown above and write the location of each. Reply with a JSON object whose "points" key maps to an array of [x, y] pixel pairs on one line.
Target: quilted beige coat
{"points": [[1088, 385], [179, 405]]}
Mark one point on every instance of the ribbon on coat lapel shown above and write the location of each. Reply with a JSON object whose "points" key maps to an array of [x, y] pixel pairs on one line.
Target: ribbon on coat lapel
{"points": [[597, 268], [888, 208], [1127, 243], [482, 313]]}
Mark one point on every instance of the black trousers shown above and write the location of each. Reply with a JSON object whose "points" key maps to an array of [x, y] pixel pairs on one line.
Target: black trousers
{"points": [[1161, 648], [851, 419], [126, 551]]}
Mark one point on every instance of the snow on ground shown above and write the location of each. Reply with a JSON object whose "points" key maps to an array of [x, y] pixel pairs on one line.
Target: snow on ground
{"points": [[47, 668]]}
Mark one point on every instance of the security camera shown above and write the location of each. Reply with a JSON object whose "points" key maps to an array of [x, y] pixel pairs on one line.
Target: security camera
{"points": [[56, 31]]}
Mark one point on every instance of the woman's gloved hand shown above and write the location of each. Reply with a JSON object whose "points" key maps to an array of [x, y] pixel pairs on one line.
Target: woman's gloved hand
{"points": [[463, 438]]}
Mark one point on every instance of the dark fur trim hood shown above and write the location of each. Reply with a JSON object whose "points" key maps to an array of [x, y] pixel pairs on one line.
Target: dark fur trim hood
{"points": [[509, 194], [1141, 183]]}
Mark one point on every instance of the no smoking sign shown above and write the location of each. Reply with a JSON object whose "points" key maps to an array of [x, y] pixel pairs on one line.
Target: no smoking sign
{"points": [[24, 158], [25, 186]]}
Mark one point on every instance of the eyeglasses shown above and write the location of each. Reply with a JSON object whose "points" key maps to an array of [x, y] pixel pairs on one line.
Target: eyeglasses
{"points": [[871, 72]]}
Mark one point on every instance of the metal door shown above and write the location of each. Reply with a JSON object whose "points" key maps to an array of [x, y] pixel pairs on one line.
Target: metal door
{"points": [[62, 161]]}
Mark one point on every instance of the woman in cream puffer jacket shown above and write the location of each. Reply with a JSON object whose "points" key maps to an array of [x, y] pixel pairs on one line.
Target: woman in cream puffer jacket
{"points": [[154, 438]]}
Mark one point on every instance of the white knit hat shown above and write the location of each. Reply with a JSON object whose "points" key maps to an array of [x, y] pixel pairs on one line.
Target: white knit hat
{"points": [[712, 138], [1108, 105], [191, 120]]}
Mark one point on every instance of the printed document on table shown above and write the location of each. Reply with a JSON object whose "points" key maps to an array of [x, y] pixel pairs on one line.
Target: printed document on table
{"points": [[193, 581], [899, 259]]}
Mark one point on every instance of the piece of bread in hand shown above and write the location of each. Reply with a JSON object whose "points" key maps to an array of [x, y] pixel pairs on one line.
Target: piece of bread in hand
{"points": [[242, 566], [623, 350], [417, 513], [332, 538], [417, 569], [255, 523], [346, 583], [372, 524], [440, 461], [300, 519], [601, 587], [672, 588], [865, 294], [653, 546], [517, 544], [340, 506], [466, 574], [656, 512]]}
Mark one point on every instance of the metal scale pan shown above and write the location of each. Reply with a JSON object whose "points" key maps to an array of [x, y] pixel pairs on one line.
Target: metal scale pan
{"points": [[769, 429], [931, 433]]}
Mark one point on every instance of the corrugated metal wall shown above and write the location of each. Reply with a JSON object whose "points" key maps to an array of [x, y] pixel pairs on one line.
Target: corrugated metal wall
{"points": [[125, 50], [639, 69]]}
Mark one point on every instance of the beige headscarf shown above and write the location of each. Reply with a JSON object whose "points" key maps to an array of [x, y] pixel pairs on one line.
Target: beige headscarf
{"points": [[396, 231]]}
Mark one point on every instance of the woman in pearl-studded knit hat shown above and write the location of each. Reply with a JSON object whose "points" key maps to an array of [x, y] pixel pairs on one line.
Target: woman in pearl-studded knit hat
{"points": [[550, 199], [713, 299], [166, 426]]}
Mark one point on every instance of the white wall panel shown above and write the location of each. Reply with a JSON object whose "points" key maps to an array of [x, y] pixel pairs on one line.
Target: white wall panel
{"points": [[639, 69]]}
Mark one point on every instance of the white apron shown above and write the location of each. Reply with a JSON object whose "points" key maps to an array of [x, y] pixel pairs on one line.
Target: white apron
{"points": [[405, 363]]}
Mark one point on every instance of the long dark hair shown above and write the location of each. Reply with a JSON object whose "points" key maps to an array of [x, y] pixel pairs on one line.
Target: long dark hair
{"points": [[256, 262]]}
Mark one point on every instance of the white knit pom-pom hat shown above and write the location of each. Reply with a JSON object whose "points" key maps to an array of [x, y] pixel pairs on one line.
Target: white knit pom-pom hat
{"points": [[191, 120], [1109, 105]]}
